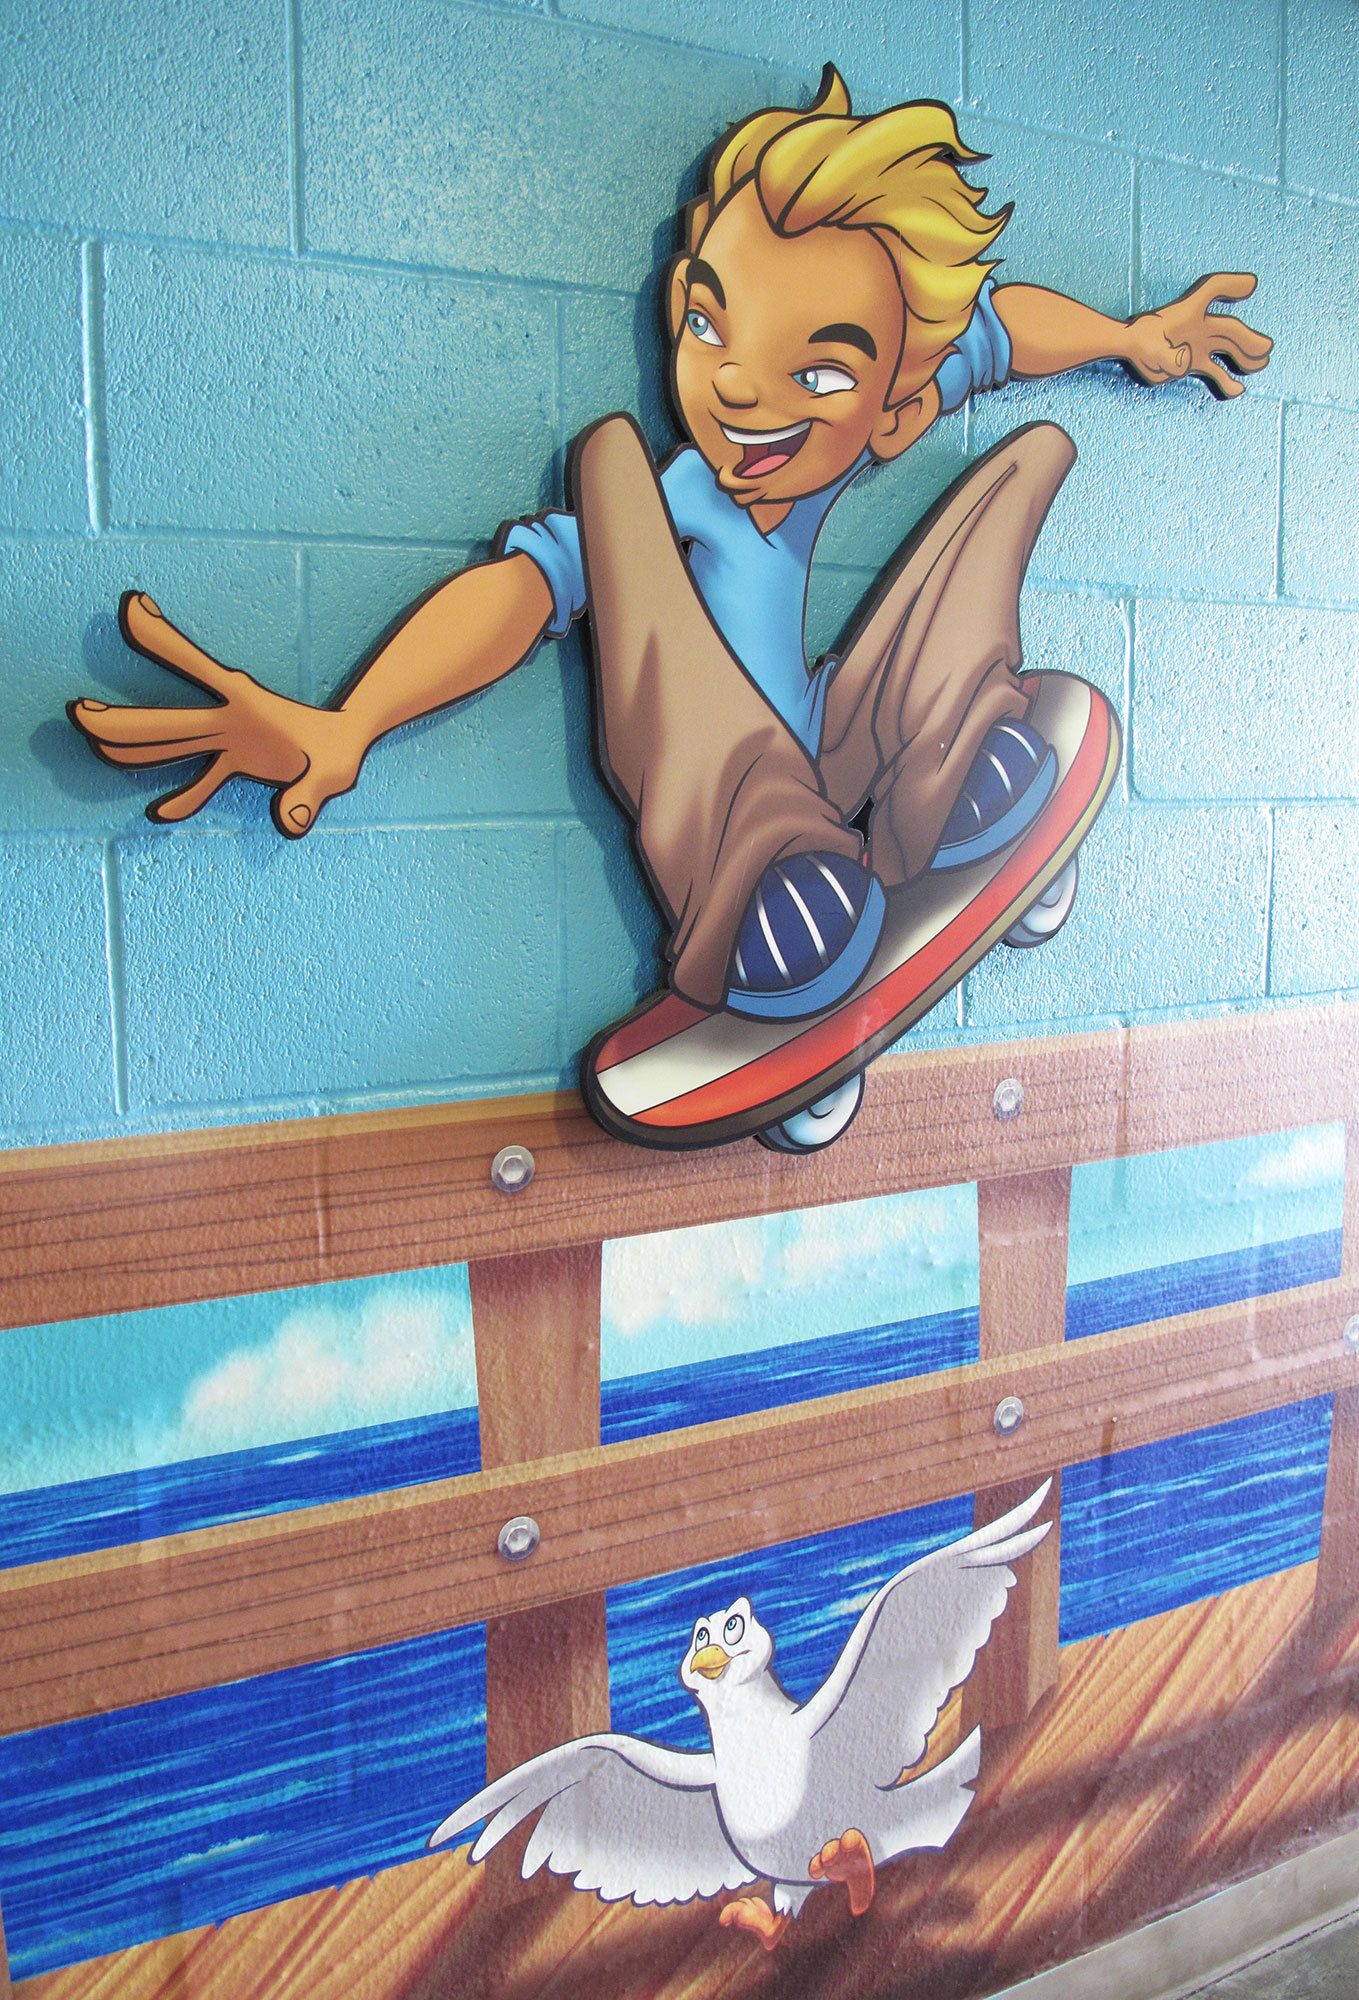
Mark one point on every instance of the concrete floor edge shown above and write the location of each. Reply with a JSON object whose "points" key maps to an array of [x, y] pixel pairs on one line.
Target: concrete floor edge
{"points": [[1178, 1955]]}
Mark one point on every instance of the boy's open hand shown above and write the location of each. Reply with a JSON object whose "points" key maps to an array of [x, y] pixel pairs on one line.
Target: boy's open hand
{"points": [[310, 753], [1186, 338]]}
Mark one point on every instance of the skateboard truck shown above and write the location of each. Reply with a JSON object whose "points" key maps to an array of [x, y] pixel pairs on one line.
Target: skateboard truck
{"points": [[821, 1123]]}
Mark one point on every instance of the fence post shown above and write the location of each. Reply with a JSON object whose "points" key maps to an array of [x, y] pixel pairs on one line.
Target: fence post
{"points": [[1337, 1585], [1022, 1226], [535, 1319]]}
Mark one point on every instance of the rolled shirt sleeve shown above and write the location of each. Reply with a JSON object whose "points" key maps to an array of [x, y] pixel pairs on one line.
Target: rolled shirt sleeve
{"points": [[553, 542], [979, 358]]}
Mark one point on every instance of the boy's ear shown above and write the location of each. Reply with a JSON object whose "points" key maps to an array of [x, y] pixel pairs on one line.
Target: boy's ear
{"points": [[676, 292], [902, 423]]}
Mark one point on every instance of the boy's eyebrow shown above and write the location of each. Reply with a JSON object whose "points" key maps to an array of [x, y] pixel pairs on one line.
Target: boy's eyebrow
{"points": [[849, 334], [701, 273]]}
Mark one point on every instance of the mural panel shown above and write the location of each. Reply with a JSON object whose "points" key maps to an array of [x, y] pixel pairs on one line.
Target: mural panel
{"points": [[242, 1797]]}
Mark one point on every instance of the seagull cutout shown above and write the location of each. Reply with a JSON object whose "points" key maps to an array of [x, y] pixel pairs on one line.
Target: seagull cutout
{"points": [[798, 1794]]}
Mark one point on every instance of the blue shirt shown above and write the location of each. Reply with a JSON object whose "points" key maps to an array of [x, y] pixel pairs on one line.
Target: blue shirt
{"points": [[755, 585]]}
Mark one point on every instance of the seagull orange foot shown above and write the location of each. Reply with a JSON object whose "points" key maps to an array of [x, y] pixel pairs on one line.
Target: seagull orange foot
{"points": [[751, 1913], [849, 1860]]}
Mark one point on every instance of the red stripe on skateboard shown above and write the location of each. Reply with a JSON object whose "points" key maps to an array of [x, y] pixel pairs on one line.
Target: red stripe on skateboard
{"points": [[667, 1017], [783, 1069]]}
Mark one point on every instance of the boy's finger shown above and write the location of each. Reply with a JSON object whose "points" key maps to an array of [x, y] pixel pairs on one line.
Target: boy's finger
{"points": [[142, 725], [1224, 285], [1219, 381], [189, 798], [131, 756], [1251, 348], [148, 632], [1243, 364]]}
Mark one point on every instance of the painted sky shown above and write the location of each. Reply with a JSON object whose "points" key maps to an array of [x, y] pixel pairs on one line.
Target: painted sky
{"points": [[734, 1287], [1165, 1208], [132, 1390]]}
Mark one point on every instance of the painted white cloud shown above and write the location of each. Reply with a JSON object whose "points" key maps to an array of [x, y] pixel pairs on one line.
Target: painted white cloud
{"points": [[1310, 1159], [728, 1288], [691, 1276], [929, 1230], [398, 1354]]}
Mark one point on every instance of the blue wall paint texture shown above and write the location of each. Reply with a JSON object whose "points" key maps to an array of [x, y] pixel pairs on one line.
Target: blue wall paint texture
{"points": [[301, 298]]}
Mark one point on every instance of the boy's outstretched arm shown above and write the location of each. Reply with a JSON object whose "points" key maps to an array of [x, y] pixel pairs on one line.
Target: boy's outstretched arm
{"points": [[471, 631], [1050, 333]]}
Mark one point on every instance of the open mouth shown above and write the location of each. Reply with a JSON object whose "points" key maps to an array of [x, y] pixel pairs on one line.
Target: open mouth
{"points": [[766, 451]]}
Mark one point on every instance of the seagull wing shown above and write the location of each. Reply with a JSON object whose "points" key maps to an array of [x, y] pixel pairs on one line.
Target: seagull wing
{"points": [[915, 1642], [619, 1815]]}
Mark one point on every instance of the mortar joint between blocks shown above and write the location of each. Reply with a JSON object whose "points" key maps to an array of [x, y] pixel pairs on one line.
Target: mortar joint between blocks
{"points": [[93, 396]]}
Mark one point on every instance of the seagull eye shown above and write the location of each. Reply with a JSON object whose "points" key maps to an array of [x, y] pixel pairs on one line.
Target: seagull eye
{"points": [[702, 1636], [824, 381], [733, 1630], [702, 328]]}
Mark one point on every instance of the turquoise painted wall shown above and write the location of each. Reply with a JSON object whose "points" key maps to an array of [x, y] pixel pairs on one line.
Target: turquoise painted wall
{"points": [[301, 298]]}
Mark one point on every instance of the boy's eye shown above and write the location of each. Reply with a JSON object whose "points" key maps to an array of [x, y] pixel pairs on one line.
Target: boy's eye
{"points": [[824, 381], [702, 328]]}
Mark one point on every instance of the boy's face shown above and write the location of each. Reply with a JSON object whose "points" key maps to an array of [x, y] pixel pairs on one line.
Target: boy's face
{"points": [[786, 352]]}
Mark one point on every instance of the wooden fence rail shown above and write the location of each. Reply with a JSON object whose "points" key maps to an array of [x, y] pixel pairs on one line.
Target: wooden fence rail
{"points": [[121, 1224]]}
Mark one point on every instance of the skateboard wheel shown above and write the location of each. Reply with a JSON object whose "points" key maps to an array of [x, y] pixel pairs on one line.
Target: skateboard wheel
{"points": [[1043, 919], [821, 1124]]}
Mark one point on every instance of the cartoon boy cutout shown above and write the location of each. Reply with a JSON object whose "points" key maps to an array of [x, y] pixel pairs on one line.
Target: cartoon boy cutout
{"points": [[830, 304]]}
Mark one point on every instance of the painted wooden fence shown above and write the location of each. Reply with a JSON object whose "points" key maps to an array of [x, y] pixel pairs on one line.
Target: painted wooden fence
{"points": [[126, 1224]]}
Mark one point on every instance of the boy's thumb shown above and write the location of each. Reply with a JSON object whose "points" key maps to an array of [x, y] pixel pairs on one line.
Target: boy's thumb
{"points": [[296, 808]]}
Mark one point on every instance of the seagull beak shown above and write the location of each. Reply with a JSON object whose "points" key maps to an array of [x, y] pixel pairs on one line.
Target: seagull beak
{"points": [[712, 1662]]}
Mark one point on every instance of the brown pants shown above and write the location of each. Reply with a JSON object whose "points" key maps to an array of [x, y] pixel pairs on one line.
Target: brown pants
{"points": [[716, 781]]}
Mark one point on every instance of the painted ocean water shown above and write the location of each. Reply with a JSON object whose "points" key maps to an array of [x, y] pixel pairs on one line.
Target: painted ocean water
{"points": [[87, 1514], [155, 1819], [667, 1399]]}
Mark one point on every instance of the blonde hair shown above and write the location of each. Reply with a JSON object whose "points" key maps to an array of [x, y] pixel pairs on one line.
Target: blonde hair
{"points": [[895, 174]]}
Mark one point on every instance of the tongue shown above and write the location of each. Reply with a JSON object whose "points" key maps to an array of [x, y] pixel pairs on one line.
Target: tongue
{"points": [[759, 460], [766, 455]]}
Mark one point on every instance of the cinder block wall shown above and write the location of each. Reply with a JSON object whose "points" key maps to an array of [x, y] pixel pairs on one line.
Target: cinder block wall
{"points": [[300, 298]]}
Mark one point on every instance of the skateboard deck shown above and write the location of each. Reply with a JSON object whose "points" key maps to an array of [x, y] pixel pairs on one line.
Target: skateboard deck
{"points": [[676, 1076]]}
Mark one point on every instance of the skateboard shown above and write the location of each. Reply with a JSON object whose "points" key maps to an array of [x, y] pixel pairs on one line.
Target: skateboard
{"points": [[675, 1076]]}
